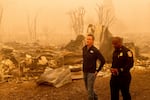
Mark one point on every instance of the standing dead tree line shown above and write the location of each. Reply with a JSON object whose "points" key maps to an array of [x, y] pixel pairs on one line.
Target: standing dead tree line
{"points": [[106, 18], [77, 20], [32, 27], [105, 15], [1, 16]]}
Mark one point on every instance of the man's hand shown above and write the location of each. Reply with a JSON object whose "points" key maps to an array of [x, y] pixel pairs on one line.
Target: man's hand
{"points": [[114, 71], [96, 73]]}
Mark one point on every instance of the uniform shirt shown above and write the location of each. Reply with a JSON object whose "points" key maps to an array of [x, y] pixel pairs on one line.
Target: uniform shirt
{"points": [[90, 57], [122, 59]]}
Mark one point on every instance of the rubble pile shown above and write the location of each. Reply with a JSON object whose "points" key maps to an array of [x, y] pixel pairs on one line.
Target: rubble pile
{"points": [[46, 64], [30, 60]]}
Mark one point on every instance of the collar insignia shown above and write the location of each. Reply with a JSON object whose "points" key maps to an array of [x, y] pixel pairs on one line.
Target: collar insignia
{"points": [[129, 54]]}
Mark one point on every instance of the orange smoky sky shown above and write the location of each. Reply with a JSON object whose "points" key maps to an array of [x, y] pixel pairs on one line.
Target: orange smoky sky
{"points": [[131, 15]]}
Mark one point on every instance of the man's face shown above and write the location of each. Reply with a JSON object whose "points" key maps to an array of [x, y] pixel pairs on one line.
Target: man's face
{"points": [[89, 40], [117, 44]]}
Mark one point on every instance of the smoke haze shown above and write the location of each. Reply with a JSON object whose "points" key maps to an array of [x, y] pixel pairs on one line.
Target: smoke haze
{"points": [[53, 21]]}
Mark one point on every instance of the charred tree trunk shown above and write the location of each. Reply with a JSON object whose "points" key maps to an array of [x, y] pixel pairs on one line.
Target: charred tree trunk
{"points": [[1, 16], [32, 27], [106, 45]]}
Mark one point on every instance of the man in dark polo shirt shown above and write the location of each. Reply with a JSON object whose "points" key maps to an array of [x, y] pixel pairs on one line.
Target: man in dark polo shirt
{"points": [[90, 55]]}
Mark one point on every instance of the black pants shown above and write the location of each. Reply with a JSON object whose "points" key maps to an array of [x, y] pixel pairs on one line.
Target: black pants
{"points": [[121, 82]]}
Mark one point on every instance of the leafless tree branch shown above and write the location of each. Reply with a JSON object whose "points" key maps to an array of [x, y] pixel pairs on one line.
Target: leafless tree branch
{"points": [[77, 20]]}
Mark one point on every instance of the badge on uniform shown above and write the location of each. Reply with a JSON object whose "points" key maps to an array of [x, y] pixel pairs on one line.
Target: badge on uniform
{"points": [[91, 51], [129, 54], [121, 54]]}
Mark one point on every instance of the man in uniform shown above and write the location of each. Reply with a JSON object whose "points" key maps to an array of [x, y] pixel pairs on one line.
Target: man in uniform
{"points": [[121, 65], [90, 55]]}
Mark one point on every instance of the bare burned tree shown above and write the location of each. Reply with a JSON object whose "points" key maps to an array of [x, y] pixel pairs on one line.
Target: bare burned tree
{"points": [[35, 27], [32, 27], [77, 20], [105, 20], [1, 16], [29, 27]]}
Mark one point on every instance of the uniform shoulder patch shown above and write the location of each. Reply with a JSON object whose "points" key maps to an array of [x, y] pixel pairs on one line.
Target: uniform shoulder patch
{"points": [[129, 54]]}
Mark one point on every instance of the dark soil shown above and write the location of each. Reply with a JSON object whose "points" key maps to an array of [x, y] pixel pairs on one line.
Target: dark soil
{"points": [[29, 90]]}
